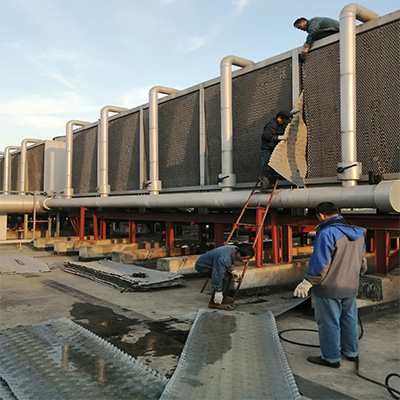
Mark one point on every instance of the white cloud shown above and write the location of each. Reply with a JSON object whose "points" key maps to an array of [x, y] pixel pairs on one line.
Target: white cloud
{"points": [[241, 4], [41, 112]]}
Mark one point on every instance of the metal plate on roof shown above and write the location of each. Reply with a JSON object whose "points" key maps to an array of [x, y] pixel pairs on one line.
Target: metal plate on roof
{"points": [[232, 355], [59, 359], [126, 277], [19, 264]]}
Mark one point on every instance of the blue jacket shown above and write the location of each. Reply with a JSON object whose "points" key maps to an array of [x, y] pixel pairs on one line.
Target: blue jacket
{"points": [[337, 259], [320, 27], [216, 262]]}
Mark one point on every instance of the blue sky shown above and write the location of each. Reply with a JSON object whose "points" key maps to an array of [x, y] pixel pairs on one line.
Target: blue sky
{"points": [[66, 59]]}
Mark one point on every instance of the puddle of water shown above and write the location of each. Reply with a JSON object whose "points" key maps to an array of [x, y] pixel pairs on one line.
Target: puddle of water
{"points": [[160, 343]]}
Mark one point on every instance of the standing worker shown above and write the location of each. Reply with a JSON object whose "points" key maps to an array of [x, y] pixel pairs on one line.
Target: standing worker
{"points": [[317, 28], [334, 270], [217, 264], [273, 132]]}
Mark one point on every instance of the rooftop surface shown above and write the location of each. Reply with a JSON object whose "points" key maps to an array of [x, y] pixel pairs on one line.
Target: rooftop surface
{"points": [[153, 326]]}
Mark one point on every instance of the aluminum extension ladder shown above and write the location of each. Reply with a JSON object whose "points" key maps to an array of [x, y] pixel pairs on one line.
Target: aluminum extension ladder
{"points": [[237, 224]]}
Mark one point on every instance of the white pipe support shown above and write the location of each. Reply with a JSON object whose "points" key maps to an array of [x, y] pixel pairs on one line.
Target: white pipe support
{"points": [[69, 191], [348, 17], [227, 179], [154, 185], [22, 169], [103, 187], [7, 168]]}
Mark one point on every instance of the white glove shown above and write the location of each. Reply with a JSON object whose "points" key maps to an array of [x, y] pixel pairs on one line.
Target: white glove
{"points": [[218, 297], [302, 289]]}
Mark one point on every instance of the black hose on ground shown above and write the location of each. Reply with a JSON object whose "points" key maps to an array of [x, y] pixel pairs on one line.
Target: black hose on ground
{"points": [[393, 392]]}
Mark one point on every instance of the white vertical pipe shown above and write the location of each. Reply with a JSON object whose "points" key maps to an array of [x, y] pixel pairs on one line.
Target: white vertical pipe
{"points": [[295, 76], [142, 153], [69, 191], [22, 169], [7, 168], [155, 184], [348, 17], [102, 156], [227, 177], [202, 135]]}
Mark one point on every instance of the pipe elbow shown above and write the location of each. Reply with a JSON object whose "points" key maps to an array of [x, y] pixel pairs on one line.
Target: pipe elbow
{"points": [[106, 109], [161, 89], [228, 61], [360, 12]]}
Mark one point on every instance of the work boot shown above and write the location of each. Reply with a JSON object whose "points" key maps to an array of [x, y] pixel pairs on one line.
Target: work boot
{"points": [[228, 300], [321, 361], [211, 304]]}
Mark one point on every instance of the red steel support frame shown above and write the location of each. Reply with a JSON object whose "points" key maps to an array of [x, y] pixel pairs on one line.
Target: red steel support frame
{"points": [[287, 244], [82, 223], [103, 229], [218, 234], [169, 234], [275, 236], [95, 228], [132, 232], [259, 249]]}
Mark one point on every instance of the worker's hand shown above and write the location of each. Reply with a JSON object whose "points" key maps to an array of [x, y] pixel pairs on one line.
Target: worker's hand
{"points": [[218, 297], [283, 137], [302, 289]]}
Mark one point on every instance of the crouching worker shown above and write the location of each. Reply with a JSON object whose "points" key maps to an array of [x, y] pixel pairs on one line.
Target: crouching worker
{"points": [[217, 264]]}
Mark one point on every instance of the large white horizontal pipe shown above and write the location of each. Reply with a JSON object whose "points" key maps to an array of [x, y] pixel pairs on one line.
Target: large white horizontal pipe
{"points": [[16, 241], [155, 184], [7, 168], [22, 169], [348, 15], [102, 150], [227, 178], [69, 191], [383, 196]]}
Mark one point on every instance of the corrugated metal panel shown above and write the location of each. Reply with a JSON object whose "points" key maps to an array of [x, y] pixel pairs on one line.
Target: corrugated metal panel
{"points": [[59, 359], [232, 356]]}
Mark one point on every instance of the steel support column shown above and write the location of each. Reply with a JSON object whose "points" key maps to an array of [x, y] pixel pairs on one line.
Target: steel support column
{"points": [[218, 234], [95, 227], [132, 232], [169, 235], [259, 246], [274, 236], [103, 229], [287, 244], [382, 247], [82, 223]]}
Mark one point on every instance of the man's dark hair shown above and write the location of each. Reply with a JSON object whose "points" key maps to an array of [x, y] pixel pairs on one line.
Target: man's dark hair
{"points": [[299, 20], [283, 115], [245, 250], [327, 208]]}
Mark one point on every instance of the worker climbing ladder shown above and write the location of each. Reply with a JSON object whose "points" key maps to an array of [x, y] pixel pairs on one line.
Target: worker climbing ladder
{"points": [[259, 230]]}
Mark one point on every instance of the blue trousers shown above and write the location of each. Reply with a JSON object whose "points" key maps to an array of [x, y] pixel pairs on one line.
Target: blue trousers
{"points": [[337, 327]]}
